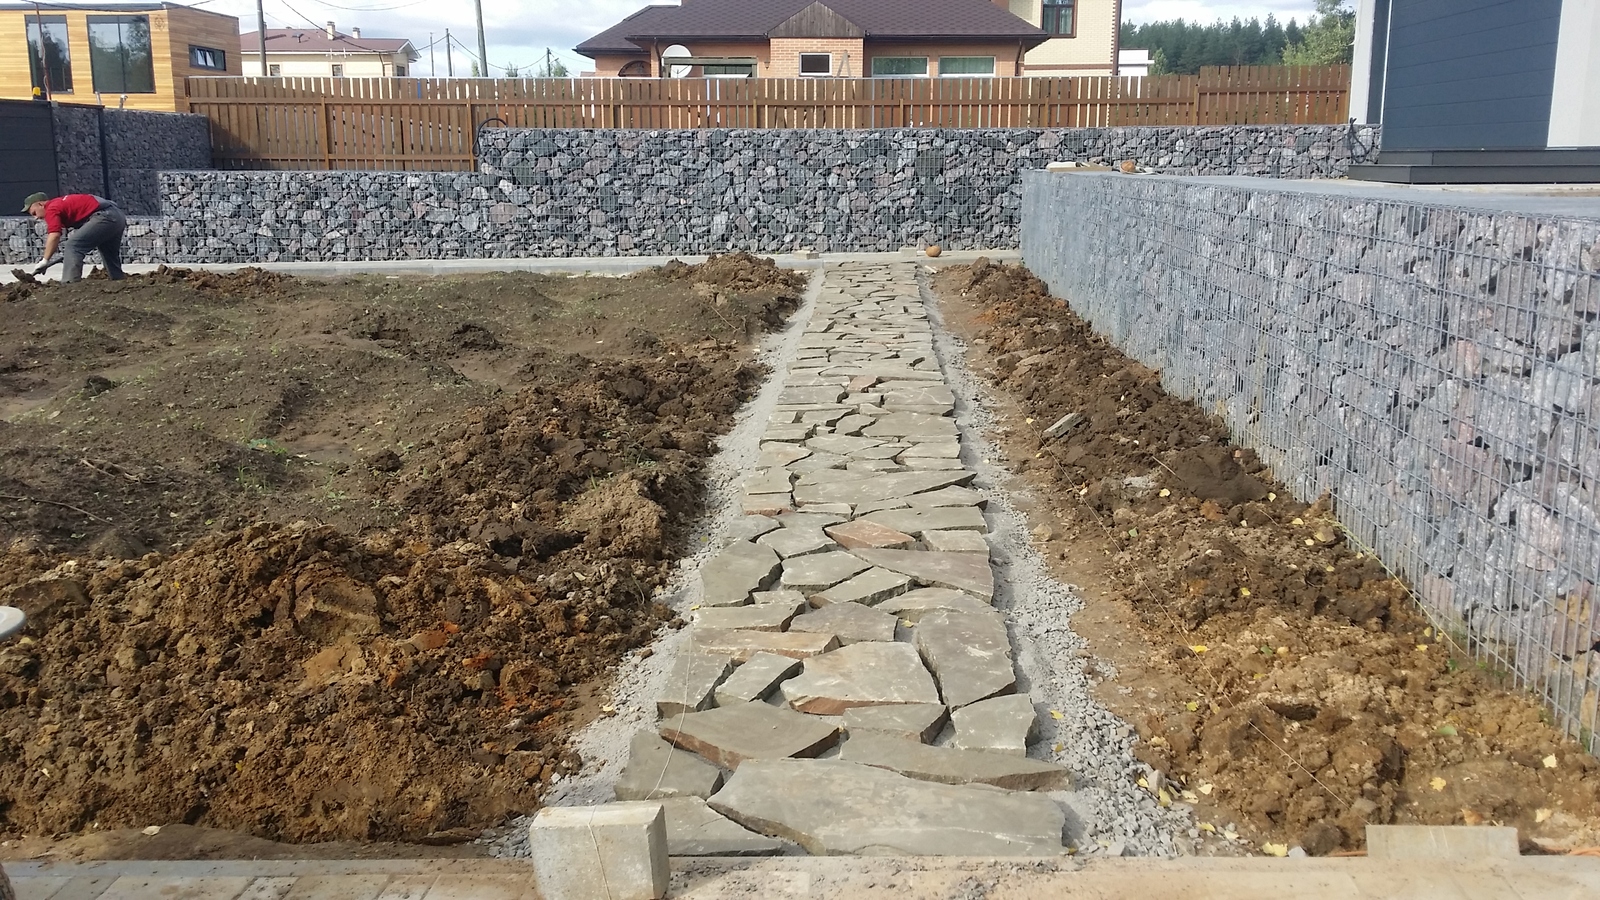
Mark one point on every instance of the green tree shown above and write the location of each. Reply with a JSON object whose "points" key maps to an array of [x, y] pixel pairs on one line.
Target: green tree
{"points": [[552, 68], [1328, 39], [513, 72], [1158, 63]]}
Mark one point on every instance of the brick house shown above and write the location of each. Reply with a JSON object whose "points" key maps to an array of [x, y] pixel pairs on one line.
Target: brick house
{"points": [[816, 38]]}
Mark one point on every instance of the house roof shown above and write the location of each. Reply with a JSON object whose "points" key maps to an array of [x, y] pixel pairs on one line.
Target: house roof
{"points": [[315, 40], [884, 20]]}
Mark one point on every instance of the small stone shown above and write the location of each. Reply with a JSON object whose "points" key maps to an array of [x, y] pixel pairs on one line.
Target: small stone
{"points": [[730, 735], [1044, 532], [911, 721], [956, 541], [656, 770], [997, 725], [756, 679], [1065, 424], [693, 679]]}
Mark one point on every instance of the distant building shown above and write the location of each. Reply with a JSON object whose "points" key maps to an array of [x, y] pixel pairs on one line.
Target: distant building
{"points": [[124, 54], [327, 53], [1082, 40], [1133, 62]]}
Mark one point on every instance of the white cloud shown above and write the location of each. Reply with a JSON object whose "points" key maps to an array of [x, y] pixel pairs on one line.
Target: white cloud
{"points": [[1207, 11]]}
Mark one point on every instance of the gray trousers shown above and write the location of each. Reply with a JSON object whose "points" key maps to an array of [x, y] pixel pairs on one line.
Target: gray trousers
{"points": [[102, 232]]}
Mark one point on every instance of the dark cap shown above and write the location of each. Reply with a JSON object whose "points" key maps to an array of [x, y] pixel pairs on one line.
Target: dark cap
{"points": [[33, 198]]}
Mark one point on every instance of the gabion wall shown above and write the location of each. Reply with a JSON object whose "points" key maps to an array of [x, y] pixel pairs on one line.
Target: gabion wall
{"points": [[1436, 369], [556, 193], [138, 144]]}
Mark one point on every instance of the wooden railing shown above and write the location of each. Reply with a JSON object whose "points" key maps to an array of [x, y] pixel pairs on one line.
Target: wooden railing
{"points": [[426, 123]]}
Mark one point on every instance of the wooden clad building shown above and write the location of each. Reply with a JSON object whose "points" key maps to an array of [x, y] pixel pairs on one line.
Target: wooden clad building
{"points": [[134, 55]]}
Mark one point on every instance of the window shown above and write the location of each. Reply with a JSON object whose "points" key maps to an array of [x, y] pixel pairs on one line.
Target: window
{"points": [[965, 65], [399, 71], [119, 55], [814, 64], [899, 66], [208, 58], [57, 59], [338, 70], [733, 71], [1060, 18], [274, 70]]}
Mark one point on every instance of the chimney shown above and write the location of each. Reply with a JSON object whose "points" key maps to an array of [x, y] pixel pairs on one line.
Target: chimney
{"points": [[355, 33], [331, 33]]}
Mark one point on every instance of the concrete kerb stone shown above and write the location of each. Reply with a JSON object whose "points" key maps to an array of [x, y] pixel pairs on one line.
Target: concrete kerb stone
{"points": [[616, 851]]}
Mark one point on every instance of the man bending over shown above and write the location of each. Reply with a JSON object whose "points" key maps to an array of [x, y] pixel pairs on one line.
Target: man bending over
{"points": [[96, 224]]}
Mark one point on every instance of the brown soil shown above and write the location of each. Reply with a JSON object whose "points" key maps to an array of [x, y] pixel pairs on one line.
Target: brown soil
{"points": [[1277, 674], [341, 560]]}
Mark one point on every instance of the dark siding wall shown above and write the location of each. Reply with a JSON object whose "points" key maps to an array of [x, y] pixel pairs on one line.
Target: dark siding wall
{"points": [[1470, 74], [27, 153]]}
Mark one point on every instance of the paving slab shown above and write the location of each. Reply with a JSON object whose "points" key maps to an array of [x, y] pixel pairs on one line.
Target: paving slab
{"points": [[851, 425], [820, 571], [882, 451], [852, 622], [754, 617], [780, 455], [840, 511], [1001, 724], [729, 735], [782, 595], [926, 464], [961, 571], [695, 829], [956, 541], [692, 680], [943, 518], [919, 722], [791, 542], [932, 450], [740, 645], [904, 424], [657, 770], [793, 434], [831, 807], [882, 466], [809, 517], [756, 678], [820, 462], [968, 654], [856, 491], [950, 766], [862, 674], [765, 504], [729, 577], [869, 588], [798, 395], [769, 481], [748, 528], [913, 605], [869, 533], [841, 444]]}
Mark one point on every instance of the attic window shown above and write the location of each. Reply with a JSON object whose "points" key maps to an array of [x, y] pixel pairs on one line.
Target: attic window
{"points": [[816, 64], [1060, 18], [207, 58]]}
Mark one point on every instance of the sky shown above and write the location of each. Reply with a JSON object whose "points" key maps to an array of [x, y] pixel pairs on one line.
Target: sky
{"points": [[518, 32]]}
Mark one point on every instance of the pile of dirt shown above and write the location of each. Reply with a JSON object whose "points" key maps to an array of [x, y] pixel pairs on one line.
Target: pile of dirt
{"points": [[454, 499], [1278, 676]]}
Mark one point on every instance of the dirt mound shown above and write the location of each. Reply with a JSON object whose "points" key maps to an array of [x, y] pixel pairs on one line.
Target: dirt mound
{"points": [[338, 560], [738, 271], [1289, 685]]}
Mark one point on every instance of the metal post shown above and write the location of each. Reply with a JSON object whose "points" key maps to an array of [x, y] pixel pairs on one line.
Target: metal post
{"points": [[261, 32], [483, 49], [433, 70], [449, 59]]}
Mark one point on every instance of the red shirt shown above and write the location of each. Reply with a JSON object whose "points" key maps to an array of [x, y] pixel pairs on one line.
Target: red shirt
{"points": [[69, 211]]}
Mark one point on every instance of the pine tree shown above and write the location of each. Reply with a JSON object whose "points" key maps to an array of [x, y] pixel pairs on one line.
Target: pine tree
{"points": [[1329, 37]]}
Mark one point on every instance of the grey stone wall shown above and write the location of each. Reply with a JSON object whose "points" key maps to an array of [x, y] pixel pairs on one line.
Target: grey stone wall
{"points": [[1436, 369], [78, 149], [138, 145]]}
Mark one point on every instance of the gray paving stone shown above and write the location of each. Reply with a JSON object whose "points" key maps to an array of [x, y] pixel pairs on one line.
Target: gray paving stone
{"points": [[782, 595], [920, 722], [944, 518], [755, 617], [869, 588], [657, 770], [956, 541], [880, 487], [694, 677], [748, 528], [841, 444], [740, 645], [885, 466], [935, 394], [968, 572], [730, 735], [771, 481], [932, 450], [820, 571], [900, 425], [695, 829], [788, 433], [840, 511], [913, 605], [926, 464], [970, 656], [950, 496], [820, 462], [827, 417], [1002, 724], [793, 395], [729, 577], [865, 674], [765, 504], [791, 542], [926, 409], [869, 533], [852, 424], [852, 622], [756, 679], [836, 808], [947, 766], [882, 451]]}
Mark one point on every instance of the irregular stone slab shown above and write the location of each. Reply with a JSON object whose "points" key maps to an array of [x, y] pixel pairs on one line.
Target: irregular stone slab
{"points": [[875, 465], [969, 655], [757, 617], [810, 395], [741, 645], [789, 542], [852, 424], [809, 518], [880, 487], [729, 577], [922, 393], [920, 722], [956, 541], [780, 455], [861, 383], [771, 481], [778, 596], [827, 416], [839, 808], [883, 451], [792, 434], [852, 622], [765, 504], [695, 829], [657, 770], [869, 533], [840, 511], [912, 606], [729, 735], [748, 528], [947, 766], [869, 588], [962, 571], [819, 462], [943, 518], [864, 674], [876, 505], [820, 571], [926, 464], [899, 425], [694, 677], [756, 678], [997, 725], [932, 450], [841, 444]]}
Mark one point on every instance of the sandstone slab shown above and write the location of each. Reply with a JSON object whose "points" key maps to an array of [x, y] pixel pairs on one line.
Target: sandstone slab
{"points": [[781, 455], [841, 444], [870, 587], [866, 489], [811, 395], [755, 617], [657, 770], [1001, 724], [790, 542], [920, 722], [913, 605], [756, 678], [748, 528], [956, 541], [820, 571], [948, 766], [765, 504], [732, 574], [809, 517], [836, 808], [693, 680], [968, 572], [740, 645], [852, 622], [969, 655], [863, 674], [950, 496], [769, 481], [870, 534], [819, 462], [943, 518], [695, 829], [905, 424], [778, 596], [730, 735], [933, 450], [788, 433]]}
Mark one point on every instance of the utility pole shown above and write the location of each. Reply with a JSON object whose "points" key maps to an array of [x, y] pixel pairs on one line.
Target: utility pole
{"points": [[483, 49], [549, 70], [433, 70], [449, 59], [261, 32]]}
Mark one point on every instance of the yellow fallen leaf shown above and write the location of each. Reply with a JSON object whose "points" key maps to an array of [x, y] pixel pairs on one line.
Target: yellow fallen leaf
{"points": [[1059, 747], [1164, 798], [1164, 493], [1231, 835], [1030, 420], [1427, 632], [1142, 783], [1244, 592], [1271, 496], [1207, 789], [1550, 761], [1192, 706], [1199, 648], [1543, 815], [1275, 849], [694, 606], [1190, 797], [908, 623], [1057, 715], [1297, 521], [1471, 816], [1208, 828], [1422, 648], [1311, 543], [1437, 783]]}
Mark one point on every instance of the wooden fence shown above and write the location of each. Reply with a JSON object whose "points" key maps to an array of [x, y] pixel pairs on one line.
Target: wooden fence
{"points": [[430, 124]]}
